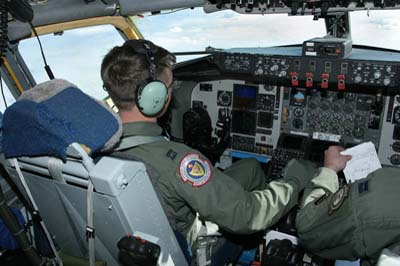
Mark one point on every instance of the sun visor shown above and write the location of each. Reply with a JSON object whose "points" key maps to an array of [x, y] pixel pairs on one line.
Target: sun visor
{"points": [[133, 7], [48, 127], [52, 12]]}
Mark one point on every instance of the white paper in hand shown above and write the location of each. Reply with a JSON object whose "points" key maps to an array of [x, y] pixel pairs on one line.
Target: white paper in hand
{"points": [[364, 161]]}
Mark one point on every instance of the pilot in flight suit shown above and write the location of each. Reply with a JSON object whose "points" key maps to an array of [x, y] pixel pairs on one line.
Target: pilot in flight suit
{"points": [[355, 222], [238, 200]]}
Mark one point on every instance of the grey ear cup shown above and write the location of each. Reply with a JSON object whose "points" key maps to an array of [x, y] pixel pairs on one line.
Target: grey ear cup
{"points": [[152, 97], [153, 93]]}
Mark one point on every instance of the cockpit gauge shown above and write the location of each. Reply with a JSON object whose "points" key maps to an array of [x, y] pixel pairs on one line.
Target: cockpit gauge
{"points": [[359, 120], [396, 146], [298, 123], [224, 98], [325, 104], [266, 102], [358, 133], [350, 97], [396, 115], [395, 159], [269, 88], [299, 112]]}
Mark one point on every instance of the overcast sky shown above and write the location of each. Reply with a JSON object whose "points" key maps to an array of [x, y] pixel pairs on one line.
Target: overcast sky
{"points": [[76, 55]]}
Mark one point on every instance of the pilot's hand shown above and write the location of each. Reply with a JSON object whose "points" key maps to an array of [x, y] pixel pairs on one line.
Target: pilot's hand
{"points": [[334, 160]]}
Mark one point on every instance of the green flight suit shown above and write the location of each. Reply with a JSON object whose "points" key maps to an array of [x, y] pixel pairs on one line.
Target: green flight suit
{"points": [[238, 200], [357, 223]]}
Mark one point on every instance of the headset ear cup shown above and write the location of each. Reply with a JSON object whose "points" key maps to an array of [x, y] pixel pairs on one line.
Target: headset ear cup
{"points": [[151, 98]]}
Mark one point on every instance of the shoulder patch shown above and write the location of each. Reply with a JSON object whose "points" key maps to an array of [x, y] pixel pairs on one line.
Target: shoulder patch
{"points": [[338, 199], [194, 170]]}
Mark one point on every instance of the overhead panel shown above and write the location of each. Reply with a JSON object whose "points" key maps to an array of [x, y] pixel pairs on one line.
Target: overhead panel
{"points": [[132, 7], [68, 10]]}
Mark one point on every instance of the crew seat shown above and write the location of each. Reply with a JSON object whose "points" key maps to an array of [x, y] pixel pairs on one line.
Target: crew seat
{"points": [[51, 130]]}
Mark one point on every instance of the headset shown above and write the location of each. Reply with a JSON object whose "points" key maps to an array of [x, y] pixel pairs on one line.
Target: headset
{"points": [[152, 94]]}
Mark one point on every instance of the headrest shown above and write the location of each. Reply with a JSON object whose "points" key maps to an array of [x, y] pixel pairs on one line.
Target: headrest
{"points": [[48, 118]]}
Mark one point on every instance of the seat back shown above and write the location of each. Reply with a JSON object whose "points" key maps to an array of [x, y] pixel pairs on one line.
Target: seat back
{"points": [[124, 200]]}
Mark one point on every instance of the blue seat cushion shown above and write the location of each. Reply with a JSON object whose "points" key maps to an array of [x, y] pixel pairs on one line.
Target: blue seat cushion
{"points": [[49, 127]]}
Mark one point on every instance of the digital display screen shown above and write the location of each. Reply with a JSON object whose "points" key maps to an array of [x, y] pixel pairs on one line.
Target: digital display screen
{"points": [[245, 96], [244, 122], [292, 142], [265, 119]]}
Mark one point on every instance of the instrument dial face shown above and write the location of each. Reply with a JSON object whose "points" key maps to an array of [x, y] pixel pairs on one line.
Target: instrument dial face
{"points": [[299, 112], [396, 146], [395, 159], [396, 115], [224, 98], [358, 133]]}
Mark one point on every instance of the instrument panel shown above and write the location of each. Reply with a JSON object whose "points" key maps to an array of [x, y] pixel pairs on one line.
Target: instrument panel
{"points": [[276, 96], [254, 110], [352, 73], [261, 114]]}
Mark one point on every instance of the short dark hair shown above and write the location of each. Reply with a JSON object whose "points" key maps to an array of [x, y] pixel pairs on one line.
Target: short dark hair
{"points": [[124, 69]]}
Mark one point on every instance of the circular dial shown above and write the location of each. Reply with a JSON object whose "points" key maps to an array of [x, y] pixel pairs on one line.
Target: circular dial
{"points": [[224, 98], [395, 159], [359, 120], [338, 106], [269, 88], [348, 119], [396, 115], [350, 97], [313, 103], [347, 131], [396, 146], [358, 133], [299, 112], [297, 123], [325, 104]]}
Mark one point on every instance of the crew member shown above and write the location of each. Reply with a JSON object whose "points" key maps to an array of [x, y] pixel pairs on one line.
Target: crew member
{"points": [[354, 222], [138, 77]]}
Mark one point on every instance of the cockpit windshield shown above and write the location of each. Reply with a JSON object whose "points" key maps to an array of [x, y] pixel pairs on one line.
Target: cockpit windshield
{"points": [[194, 30]]}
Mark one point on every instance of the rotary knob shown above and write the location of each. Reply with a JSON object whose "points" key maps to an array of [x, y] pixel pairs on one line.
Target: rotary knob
{"points": [[359, 121], [274, 67], [325, 105], [386, 81], [259, 71], [377, 74], [358, 79], [358, 133], [347, 119]]}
